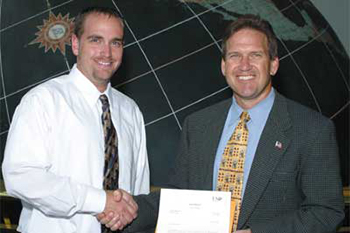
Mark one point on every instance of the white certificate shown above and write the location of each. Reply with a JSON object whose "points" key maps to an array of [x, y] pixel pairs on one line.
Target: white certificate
{"points": [[193, 211]]}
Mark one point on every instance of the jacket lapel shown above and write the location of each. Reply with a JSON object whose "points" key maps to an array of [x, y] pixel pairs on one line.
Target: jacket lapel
{"points": [[272, 145], [214, 129]]}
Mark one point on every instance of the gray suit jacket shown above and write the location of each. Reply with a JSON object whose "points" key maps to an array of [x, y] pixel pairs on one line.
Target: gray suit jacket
{"points": [[294, 187]]}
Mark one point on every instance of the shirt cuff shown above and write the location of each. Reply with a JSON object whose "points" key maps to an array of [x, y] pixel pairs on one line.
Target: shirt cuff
{"points": [[95, 201]]}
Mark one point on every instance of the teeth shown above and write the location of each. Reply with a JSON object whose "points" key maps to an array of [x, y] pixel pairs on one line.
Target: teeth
{"points": [[245, 77], [104, 63]]}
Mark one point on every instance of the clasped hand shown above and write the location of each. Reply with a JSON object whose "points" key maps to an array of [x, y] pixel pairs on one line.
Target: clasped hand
{"points": [[120, 210]]}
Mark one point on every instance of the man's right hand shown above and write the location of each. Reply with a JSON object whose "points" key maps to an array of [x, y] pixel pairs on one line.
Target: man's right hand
{"points": [[120, 210]]}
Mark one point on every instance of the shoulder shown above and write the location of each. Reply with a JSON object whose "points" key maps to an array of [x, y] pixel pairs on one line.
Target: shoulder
{"points": [[211, 112], [303, 116], [47, 91], [303, 110], [123, 102]]}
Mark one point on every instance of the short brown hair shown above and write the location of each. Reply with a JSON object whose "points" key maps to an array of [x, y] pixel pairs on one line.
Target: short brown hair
{"points": [[252, 22], [81, 17]]}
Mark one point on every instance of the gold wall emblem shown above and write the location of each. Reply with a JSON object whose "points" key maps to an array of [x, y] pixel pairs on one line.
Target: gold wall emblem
{"points": [[55, 33]]}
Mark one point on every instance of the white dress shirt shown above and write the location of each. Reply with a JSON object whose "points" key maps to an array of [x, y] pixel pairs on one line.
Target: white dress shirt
{"points": [[54, 154]]}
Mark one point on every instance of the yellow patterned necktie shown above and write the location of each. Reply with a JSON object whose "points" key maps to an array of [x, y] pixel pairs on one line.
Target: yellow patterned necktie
{"points": [[230, 176]]}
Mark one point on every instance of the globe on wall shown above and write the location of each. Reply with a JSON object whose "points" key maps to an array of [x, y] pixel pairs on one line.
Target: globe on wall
{"points": [[171, 64]]}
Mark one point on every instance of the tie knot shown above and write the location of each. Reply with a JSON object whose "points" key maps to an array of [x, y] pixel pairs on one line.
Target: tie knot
{"points": [[104, 100], [245, 117]]}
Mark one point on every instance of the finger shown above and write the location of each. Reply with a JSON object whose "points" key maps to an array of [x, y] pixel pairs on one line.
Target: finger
{"points": [[134, 205], [121, 227], [117, 195], [128, 216], [132, 210], [117, 226], [104, 221], [123, 221], [126, 196], [113, 221], [108, 217], [100, 216], [130, 201]]}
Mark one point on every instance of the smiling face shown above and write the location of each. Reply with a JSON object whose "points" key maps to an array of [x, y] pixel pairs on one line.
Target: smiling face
{"points": [[248, 68], [99, 49]]}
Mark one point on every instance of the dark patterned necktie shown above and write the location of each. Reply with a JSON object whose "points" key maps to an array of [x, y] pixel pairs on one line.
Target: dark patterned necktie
{"points": [[232, 166], [111, 166]]}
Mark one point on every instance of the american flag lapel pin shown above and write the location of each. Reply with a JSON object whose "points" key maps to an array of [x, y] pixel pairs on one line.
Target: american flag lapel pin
{"points": [[278, 145]]}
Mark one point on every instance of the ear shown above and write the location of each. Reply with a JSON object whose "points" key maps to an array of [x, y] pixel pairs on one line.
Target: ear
{"points": [[274, 64], [75, 45], [223, 66]]}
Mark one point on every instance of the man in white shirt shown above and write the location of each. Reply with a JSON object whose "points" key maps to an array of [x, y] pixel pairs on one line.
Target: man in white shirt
{"points": [[54, 157]]}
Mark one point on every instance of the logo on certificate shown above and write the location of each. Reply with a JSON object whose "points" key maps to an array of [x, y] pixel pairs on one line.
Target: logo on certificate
{"points": [[216, 199]]}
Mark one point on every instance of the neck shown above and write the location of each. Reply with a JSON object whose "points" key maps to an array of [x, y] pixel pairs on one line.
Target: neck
{"points": [[102, 88], [247, 104]]}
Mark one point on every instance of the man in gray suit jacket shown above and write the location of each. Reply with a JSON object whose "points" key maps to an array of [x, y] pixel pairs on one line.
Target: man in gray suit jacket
{"points": [[291, 173]]}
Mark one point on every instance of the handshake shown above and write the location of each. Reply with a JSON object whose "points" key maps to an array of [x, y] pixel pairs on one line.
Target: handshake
{"points": [[120, 210]]}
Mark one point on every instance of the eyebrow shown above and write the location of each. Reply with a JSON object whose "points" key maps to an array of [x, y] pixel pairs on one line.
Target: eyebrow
{"points": [[118, 39], [100, 37], [256, 51], [94, 36]]}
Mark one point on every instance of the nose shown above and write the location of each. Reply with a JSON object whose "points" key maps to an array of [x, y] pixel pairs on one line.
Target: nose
{"points": [[106, 50], [245, 63]]}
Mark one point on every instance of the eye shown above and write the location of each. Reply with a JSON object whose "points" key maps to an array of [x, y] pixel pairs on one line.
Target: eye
{"points": [[117, 43], [256, 55], [234, 56], [95, 39]]}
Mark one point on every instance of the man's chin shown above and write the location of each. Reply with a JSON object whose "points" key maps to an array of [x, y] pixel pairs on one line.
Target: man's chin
{"points": [[105, 74]]}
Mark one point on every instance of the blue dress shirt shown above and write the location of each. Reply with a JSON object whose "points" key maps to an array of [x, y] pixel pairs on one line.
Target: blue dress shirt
{"points": [[258, 116]]}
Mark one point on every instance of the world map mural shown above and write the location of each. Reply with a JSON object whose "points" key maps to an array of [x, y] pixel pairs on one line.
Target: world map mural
{"points": [[171, 64]]}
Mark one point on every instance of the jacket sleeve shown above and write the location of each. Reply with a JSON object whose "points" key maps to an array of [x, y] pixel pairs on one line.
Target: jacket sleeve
{"points": [[149, 204]]}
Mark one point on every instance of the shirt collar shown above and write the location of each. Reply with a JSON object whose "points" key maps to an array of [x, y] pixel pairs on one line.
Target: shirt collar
{"points": [[258, 112], [87, 88]]}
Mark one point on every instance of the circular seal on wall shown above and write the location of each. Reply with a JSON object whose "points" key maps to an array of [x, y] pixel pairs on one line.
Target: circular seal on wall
{"points": [[55, 33]]}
